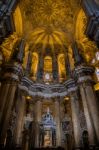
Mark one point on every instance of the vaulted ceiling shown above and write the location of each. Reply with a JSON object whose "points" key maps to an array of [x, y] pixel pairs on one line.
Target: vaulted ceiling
{"points": [[49, 22], [50, 26]]}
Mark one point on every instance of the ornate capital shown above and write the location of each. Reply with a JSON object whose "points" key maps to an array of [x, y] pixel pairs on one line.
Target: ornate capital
{"points": [[83, 73], [71, 85], [12, 72]]}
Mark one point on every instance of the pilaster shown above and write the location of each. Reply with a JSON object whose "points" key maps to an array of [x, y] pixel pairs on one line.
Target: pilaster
{"points": [[74, 100], [29, 64], [12, 74], [20, 120], [40, 71], [58, 122], [85, 81], [38, 115], [55, 68]]}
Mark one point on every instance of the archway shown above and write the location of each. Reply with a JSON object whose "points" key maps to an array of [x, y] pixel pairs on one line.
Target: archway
{"points": [[47, 69], [61, 67]]}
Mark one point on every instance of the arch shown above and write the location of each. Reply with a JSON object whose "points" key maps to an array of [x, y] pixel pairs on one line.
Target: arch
{"points": [[48, 64], [61, 67], [17, 17], [87, 47], [34, 65], [80, 25]]}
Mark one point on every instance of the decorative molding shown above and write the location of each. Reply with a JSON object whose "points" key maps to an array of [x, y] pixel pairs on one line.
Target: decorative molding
{"points": [[81, 73], [40, 89], [13, 72]]}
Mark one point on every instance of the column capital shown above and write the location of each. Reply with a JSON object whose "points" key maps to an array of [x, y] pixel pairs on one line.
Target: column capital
{"points": [[71, 85], [12, 72], [83, 73]]}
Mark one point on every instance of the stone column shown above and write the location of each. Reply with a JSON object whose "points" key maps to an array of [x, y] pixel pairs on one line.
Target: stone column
{"points": [[72, 91], [89, 102], [90, 127], [7, 96], [38, 114], [6, 113], [58, 122], [40, 68], [25, 142], [12, 73], [67, 65], [76, 120], [93, 107], [29, 64], [55, 69], [3, 96], [20, 120]]}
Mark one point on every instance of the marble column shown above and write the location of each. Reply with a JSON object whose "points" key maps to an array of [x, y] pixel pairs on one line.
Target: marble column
{"points": [[74, 100], [3, 96], [93, 107], [20, 120], [25, 142], [12, 73], [38, 115], [58, 122], [90, 103], [76, 120], [90, 127], [6, 113]]}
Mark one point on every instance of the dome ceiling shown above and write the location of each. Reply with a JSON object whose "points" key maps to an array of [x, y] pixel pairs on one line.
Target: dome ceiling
{"points": [[48, 22], [51, 26]]}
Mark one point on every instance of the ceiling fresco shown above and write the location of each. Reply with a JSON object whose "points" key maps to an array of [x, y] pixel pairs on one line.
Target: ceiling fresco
{"points": [[50, 26], [50, 21]]}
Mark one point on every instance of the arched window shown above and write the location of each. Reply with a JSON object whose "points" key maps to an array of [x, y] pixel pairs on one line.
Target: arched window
{"points": [[61, 67], [47, 68], [34, 65]]}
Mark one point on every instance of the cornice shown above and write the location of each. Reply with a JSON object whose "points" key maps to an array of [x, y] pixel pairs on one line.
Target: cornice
{"points": [[82, 74], [40, 89]]}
